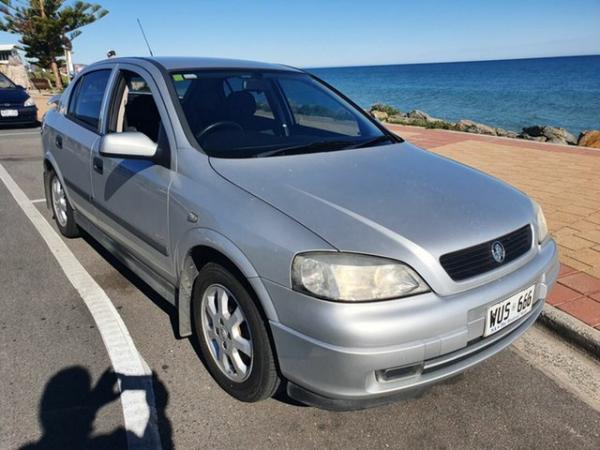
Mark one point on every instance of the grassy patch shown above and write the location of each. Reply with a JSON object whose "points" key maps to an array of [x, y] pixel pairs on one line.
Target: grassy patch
{"points": [[388, 109]]}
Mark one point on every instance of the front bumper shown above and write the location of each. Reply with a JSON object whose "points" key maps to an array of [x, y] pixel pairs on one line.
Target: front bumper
{"points": [[27, 115], [349, 356]]}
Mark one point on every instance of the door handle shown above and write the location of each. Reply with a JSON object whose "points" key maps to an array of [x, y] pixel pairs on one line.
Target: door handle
{"points": [[98, 165], [58, 141]]}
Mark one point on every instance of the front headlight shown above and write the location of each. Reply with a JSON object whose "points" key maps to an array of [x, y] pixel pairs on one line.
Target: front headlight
{"points": [[354, 277], [29, 102], [542, 226]]}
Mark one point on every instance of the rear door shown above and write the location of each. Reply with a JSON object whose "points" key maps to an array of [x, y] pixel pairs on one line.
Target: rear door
{"points": [[131, 194], [77, 133]]}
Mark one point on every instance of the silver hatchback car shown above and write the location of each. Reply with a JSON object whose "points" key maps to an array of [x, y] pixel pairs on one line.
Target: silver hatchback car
{"points": [[302, 244]]}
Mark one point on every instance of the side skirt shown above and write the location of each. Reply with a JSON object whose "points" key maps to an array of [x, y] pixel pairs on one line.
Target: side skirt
{"points": [[147, 274]]}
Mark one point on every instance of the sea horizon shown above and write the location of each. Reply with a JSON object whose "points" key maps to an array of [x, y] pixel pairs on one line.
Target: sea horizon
{"points": [[308, 68], [559, 91]]}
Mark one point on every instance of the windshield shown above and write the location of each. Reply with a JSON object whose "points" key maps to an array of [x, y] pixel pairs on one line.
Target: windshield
{"points": [[5, 83], [237, 114]]}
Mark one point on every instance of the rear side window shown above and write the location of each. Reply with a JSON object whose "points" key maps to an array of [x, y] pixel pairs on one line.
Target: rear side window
{"points": [[87, 98]]}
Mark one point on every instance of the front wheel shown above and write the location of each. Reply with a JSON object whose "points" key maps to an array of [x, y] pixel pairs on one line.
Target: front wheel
{"points": [[61, 208], [232, 336]]}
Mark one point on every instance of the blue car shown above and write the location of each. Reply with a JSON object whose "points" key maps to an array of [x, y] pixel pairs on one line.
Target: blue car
{"points": [[16, 106]]}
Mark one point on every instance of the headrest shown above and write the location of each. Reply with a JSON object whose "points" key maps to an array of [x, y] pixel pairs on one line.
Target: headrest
{"points": [[240, 104]]}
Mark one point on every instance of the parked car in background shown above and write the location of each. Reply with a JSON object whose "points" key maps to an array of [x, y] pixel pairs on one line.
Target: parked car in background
{"points": [[298, 239], [16, 106]]}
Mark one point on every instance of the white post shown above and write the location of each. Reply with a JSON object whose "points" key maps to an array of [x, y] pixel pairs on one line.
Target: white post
{"points": [[69, 61]]}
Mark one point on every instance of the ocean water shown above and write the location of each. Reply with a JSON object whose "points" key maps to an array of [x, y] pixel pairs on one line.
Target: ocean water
{"points": [[510, 94]]}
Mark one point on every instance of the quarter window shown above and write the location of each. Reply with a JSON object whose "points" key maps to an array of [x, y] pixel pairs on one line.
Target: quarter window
{"points": [[87, 98]]}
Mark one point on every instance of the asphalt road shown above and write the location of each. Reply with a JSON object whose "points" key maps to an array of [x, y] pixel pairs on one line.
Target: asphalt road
{"points": [[57, 390]]}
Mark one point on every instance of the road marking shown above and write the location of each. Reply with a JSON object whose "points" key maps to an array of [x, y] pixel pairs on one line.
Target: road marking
{"points": [[568, 366], [38, 200], [25, 133], [135, 377]]}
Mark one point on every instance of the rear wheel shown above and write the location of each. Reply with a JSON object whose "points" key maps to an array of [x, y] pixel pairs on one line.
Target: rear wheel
{"points": [[61, 208], [232, 336]]}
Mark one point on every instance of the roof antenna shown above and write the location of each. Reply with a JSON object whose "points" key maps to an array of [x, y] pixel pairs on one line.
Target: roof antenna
{"points": [[144, 35]]}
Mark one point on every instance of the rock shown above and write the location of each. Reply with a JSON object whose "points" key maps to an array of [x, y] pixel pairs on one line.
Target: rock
{"points": [[589, 138], [473, 127], [534, 131], [380, 115], [505, 133], [554, 135], [416, 114], [532, 138], [398, 118], [559, 136]]}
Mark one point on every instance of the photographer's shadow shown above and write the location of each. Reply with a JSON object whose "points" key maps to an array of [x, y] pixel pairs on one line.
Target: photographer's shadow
{"points": [[70, 404]]}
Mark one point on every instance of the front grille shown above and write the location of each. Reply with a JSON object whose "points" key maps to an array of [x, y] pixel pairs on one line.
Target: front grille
{"points": [[478, 259]]}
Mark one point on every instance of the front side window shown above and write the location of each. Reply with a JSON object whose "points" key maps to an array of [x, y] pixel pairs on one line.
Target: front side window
{"points": [[86, 103], [135, 108], [237, 114]]}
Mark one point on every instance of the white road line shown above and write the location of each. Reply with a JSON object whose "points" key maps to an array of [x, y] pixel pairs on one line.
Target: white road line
{"points": [[38, 200], [25, 133], [137, 395]]}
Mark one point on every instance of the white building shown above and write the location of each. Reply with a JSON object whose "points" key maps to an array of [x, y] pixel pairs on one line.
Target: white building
{"points": [[12, 65]]}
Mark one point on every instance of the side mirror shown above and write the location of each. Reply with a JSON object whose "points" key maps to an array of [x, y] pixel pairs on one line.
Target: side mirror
{"points": [[129, 144]]}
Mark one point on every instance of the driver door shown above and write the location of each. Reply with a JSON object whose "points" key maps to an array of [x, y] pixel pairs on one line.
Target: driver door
{"points": [[131, 194]]}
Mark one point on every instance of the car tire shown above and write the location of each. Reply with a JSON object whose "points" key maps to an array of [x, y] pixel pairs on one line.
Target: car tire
{"points": [[62, 210], [222, 332]]}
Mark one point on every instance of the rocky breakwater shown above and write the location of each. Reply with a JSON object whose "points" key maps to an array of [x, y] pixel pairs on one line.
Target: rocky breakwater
{"points": [[540, 133]]}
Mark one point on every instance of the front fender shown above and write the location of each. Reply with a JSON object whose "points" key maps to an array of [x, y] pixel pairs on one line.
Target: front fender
{"points": [[187, 273]]}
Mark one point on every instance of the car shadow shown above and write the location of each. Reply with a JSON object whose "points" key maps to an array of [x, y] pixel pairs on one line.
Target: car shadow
{"points": [[70, 404], [136, 281]]}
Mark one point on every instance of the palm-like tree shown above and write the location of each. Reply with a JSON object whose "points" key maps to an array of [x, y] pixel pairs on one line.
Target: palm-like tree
{"points": [[47, 27]]}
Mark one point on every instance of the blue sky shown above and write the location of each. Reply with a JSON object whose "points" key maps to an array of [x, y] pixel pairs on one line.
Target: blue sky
{"points": [[313, 33]]}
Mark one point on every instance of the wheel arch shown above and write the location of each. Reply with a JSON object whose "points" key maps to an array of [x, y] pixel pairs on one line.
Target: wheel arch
{"points": [[210, 246], [50, 166]]}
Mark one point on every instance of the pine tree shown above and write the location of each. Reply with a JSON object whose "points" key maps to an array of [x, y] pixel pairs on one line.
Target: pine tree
{"points": [[47, 27]]}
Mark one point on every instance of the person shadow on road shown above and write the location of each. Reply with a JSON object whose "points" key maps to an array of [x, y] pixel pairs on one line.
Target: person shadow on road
{"points": [[70, 404]]}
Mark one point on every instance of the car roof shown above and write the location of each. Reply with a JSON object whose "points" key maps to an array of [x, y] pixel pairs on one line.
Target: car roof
{"points": [[187, 63]]}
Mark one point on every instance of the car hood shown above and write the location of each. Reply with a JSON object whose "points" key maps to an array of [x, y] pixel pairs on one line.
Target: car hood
{"points": [[13, 95], [396, 200]]}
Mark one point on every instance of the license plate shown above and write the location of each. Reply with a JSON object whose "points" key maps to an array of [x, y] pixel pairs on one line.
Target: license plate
{"points": [[503, 313], [9, 113]]}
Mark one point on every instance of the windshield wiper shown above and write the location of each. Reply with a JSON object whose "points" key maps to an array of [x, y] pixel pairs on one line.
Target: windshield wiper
{"points": [[306, 148], [370, 142]]}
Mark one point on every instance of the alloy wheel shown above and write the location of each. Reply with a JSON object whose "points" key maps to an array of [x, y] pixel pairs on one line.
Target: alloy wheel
{"points": [[226, 332], [59, 202]]}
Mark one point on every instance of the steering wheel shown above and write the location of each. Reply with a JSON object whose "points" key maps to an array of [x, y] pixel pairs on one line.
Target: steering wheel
{"points": [[221, 124]]}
